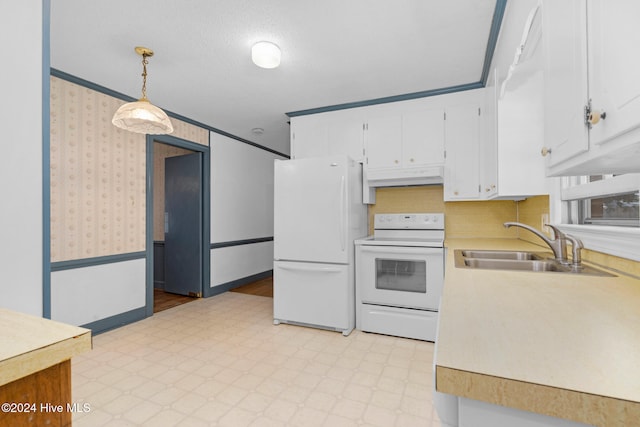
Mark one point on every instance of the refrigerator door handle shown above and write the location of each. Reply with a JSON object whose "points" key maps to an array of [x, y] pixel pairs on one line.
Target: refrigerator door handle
{"points": [[343, 203], [319, 269]]}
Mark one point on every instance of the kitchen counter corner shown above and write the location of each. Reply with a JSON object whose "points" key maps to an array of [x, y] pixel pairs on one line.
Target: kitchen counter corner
{"points": [[557, 344], [29, 344]]}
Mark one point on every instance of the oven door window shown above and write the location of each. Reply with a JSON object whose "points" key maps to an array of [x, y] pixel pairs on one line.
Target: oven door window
{"points": [[401, 275]]}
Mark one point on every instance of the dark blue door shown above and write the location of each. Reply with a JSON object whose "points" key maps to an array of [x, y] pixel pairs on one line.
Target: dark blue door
{"points": [[183, 224]]}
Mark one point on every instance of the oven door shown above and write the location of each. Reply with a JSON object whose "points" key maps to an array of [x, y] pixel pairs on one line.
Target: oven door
{"points": [[400, 276]]}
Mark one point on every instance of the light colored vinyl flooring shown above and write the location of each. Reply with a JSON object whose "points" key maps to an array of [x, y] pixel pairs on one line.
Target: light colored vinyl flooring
{"points": [[220, 361]]}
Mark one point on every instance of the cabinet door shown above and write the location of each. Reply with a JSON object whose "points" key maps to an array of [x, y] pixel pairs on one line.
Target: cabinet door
{"points": [[462, 133], [346, 136], [308, 138], [423, 138], [384, 142], [614, 66], [566, 91], [489, 141]]}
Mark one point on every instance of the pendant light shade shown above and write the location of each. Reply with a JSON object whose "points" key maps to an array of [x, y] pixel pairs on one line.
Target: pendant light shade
{"points": [[142, 116]]}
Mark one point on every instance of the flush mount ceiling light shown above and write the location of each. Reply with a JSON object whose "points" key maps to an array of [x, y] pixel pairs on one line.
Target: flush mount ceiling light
{"points": [[142, 116], [265, 55]]}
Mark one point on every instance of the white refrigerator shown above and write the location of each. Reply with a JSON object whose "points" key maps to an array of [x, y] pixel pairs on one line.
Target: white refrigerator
{"points": [[318, 213]]}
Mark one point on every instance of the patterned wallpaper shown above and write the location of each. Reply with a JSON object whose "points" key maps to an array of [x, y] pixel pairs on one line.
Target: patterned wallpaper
{"points": [[97, 175]]}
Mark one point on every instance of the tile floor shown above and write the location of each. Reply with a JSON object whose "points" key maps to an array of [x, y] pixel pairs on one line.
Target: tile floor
{"points": [[221, 362]]}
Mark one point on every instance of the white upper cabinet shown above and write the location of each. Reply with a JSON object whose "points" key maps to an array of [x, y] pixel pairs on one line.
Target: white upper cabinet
{"points": [[462, 165], [592, 70], [383, 142], [309, 137], [614, 66], [326, 134], [407, 140], [423, 137], [345, 136], [513, 116], [566, 92]]}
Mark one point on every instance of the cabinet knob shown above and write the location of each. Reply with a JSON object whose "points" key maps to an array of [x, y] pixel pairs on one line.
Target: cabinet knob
{"points": [[545, 151], [455, 193], [595, 116], [411, 160], [396, 162]]}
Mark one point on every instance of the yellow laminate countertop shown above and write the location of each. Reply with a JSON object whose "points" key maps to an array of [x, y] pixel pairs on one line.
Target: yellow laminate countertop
{"points": [[29, 344], [553, 343]]}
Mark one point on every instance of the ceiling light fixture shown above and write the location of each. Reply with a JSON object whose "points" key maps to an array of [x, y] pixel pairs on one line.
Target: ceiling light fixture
{"points": [[265, 55], [142, 116]]}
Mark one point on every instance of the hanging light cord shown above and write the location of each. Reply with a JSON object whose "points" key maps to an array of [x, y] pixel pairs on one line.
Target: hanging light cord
{"points": [[144, 77]]}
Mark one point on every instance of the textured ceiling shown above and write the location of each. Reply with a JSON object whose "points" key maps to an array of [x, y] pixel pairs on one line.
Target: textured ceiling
{"points": [[333, 52]]}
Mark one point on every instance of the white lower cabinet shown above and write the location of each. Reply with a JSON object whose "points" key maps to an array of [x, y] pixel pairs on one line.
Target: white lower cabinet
{"points": [[456, 411], [474, 413]]}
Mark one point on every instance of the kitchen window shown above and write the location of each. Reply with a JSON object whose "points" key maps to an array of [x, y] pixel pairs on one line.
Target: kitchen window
{"points": [[603, 200], [604, 212]]}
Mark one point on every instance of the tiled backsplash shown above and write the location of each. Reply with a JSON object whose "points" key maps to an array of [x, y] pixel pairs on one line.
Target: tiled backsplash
{"points": [[463, 219], [482, 218]]}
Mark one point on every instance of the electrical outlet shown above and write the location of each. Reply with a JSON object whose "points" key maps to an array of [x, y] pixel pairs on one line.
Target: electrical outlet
{"points": [[545, 220]]}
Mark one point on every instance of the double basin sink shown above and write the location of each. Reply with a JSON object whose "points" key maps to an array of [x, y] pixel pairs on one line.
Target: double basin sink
{"points": [[519, 261]]}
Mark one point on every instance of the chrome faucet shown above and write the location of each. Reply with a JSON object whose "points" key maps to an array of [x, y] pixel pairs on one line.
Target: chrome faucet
{"points": [[576, 247], [558, 243]]}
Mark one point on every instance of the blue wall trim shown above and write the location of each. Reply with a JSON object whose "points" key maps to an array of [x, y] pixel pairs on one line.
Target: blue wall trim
{"points": [[46, 160], [225, 287], [385, 100], [77, 80], [496, 23], [90, 262], [240, 242], [104, 325]]}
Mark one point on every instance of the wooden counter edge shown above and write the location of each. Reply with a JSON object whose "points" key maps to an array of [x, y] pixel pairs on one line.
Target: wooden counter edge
{"points": [[33, 361], [577, 406]]}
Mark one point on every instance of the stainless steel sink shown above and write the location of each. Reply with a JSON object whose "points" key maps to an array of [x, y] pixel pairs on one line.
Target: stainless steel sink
{"points": [[519, 261], [517, 255]]}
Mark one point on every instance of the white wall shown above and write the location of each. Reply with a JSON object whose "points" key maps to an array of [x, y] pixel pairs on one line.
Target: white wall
{"points": [[84, 295], [237, 262], [241, 208], [21, 161]]}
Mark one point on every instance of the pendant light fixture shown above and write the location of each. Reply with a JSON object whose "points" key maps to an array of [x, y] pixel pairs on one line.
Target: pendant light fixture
{"points": [[142, 116]]}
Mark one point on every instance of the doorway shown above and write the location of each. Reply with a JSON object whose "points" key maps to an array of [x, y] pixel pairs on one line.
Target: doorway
{"points": [[177, 222]]}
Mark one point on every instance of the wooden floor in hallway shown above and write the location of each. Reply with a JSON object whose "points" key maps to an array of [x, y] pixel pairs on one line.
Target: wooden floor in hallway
{"points": [[163, 300], [262, 288]]}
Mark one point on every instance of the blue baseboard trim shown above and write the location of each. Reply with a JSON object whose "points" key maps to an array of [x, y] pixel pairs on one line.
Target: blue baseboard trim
{"points": [[240, 242], [225, 287], [113, 322], [122, 319]]}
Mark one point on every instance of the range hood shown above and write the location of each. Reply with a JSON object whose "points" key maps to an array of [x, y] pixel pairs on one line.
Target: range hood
{"points": [[398, 177], [404, 176]]}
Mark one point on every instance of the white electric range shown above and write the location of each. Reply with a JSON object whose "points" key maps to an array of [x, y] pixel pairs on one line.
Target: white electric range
{"points": [[400, 274]]}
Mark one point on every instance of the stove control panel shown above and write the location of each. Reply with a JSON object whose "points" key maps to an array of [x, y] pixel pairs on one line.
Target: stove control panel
{"points": [[410, 221]]}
